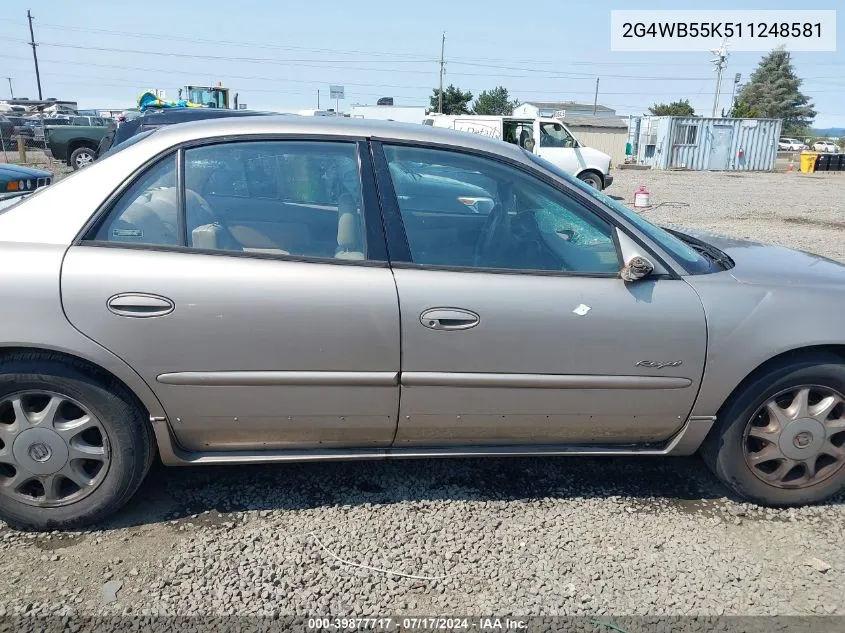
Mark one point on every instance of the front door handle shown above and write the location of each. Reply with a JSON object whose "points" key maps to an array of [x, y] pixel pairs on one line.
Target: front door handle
{"points": [[140, 305], [449, 319]]}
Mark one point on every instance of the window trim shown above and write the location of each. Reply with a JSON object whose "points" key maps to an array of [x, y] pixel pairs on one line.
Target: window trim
{"points": [[397, 238], [377, 255], [694, 126]]}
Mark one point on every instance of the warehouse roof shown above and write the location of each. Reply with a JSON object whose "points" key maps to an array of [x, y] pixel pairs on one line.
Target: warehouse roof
{"points": [[567, 105], [596, 121]]}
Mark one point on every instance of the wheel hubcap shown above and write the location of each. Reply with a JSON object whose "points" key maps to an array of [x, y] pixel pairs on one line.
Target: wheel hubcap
{"points": [[53, 451], [84, 159], [797, 438]]}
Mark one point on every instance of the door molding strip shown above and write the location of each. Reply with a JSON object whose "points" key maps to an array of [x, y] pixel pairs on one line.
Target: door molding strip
{"points": [[540, 381], [272, 378]]}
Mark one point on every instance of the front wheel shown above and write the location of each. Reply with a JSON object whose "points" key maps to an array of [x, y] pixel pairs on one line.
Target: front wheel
{"points": [[82, 157], [72, 449], [592, 179], [781, 441]]}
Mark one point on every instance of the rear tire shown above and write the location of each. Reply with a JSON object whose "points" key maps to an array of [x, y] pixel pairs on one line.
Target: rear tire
{"points": [[125, 444], [592, 179], [766, 415], [82, 157]]}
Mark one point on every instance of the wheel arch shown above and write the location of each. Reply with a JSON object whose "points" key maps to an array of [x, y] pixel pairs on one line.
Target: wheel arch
{"points": [[91, 369], [793, 355], [591, 170]]}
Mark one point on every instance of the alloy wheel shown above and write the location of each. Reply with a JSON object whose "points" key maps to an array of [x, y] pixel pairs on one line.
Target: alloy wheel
{"points": [[84, 159], [796, 439], [53, 451]]}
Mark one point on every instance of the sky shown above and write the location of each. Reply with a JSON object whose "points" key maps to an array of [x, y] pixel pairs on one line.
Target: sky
{"points": [[277, 54]]}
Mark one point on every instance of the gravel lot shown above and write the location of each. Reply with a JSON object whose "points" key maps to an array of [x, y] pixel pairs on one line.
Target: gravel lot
{"points": [[545, 536]]}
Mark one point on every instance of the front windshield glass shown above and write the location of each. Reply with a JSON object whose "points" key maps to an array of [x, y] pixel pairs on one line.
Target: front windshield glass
{"points": [[687, 256]]}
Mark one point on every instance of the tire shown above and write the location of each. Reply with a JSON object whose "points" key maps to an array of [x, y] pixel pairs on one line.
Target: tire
{"points": [[724, 450], [82, 157], [127, 440], [592, 179]]}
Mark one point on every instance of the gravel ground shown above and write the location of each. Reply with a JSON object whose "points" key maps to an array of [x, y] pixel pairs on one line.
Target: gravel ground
{"points": [[544, 536], [803, 211]]}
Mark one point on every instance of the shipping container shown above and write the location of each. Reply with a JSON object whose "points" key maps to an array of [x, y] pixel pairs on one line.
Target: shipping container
{"points": [[699, 143]]}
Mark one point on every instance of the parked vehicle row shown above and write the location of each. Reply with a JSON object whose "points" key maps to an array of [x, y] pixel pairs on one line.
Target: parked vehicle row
{"points": [[274, 289], [825, 146]]}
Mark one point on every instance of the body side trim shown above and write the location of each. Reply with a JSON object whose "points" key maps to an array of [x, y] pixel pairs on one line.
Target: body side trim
{"points": [[540, 381], [266, 378]]}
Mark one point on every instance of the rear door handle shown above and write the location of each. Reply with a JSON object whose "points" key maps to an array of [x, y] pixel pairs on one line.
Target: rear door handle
{"points": [[449, 319], [140, 305]]}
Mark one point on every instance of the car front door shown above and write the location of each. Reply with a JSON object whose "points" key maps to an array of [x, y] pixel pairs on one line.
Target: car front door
{"points": [[558, 146], [516, 326], [264, 315]]}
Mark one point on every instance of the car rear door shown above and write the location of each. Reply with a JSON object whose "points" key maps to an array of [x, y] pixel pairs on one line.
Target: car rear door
{"points": [[292, 342], [517, 329]]}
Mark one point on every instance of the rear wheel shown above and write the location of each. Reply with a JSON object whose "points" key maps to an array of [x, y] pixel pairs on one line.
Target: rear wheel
{"points": [[82, 157], [781, 441], [592, 179], [72, 449]]}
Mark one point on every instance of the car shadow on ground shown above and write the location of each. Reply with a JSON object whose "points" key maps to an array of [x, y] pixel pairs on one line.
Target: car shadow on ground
{"points": [[174, 493]]}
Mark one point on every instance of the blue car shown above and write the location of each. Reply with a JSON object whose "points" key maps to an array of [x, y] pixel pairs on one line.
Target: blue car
{"points": [[18, 179]]}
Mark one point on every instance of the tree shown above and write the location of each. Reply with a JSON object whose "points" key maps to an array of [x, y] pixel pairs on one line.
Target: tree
{"points": [[454, 101], [741, 110], [772, 91], [681, 107], [494, 102]]}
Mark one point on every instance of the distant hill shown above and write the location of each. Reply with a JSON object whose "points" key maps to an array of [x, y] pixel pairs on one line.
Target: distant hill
{"points": [[830, 131]]}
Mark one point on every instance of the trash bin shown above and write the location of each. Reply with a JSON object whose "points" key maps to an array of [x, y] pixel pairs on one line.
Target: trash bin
{"points": [[808, 162], [823, 162], [840, 162]]}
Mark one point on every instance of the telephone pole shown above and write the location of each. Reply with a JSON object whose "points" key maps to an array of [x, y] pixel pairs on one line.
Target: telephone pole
{"points": [[720, 61], [737, 78], [11, 91], [34, 54], [442, 70], [596, 99]]}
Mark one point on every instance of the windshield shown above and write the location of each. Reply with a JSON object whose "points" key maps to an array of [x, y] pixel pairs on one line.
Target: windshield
{"points": [[687, 256]]}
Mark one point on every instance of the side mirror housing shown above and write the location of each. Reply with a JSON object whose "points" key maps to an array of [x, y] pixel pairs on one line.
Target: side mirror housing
{"points": [[638, 267]]}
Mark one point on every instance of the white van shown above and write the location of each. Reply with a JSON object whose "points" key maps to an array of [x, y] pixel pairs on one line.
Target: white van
{"points": [[548, 138]]}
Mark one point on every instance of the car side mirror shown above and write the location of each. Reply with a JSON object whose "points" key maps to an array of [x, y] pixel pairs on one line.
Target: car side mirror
{"points": [[638, 267]]}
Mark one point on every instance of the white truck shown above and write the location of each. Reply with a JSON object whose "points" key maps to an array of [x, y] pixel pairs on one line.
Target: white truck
{"points": [[548, 138]]}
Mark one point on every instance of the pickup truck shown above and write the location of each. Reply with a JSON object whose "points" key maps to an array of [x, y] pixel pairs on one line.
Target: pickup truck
{"points": [[75, 144]]}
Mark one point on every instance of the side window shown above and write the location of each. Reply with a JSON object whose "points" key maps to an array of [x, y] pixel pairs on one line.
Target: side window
{"points": [[147, 212], [469, 211], [555, 135], [277, 197]]}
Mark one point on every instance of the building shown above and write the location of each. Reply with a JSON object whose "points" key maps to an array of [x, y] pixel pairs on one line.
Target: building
{"points": [[404, 114], [608, 134], [561, 109], [670, 142]]}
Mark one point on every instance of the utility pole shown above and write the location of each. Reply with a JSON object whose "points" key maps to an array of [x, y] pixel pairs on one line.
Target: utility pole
{"points": [[34, 54], [596, 99], [318, 98], [720, 61], [442, 70], [737, 77], [11, 91]]}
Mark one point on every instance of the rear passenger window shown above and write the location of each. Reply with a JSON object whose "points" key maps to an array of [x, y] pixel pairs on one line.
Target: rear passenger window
{"points": [[276, 197], [147, 213], [268, 197]]}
